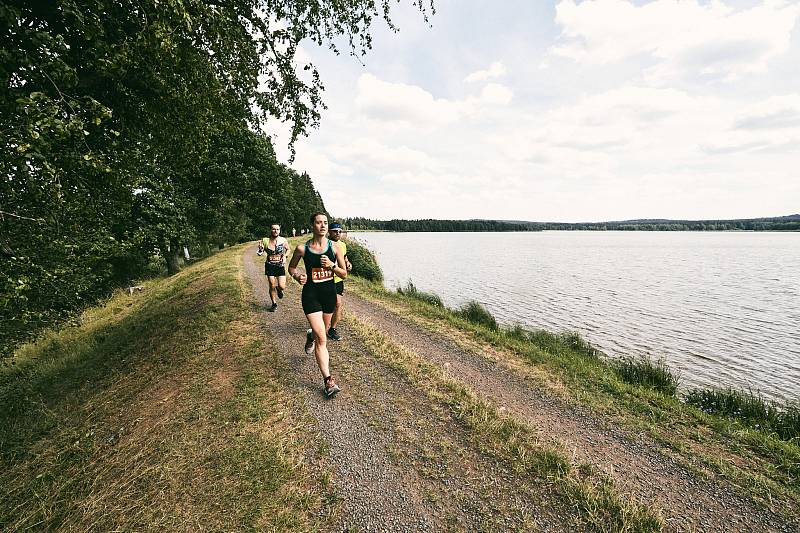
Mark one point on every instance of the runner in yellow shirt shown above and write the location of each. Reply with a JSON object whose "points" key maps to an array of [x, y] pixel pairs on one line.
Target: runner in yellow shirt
{"points": [[335, 234]]}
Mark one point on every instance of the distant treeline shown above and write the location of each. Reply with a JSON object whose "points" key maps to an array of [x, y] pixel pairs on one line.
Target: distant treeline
{"points": [[358, 223], [787, 223]]}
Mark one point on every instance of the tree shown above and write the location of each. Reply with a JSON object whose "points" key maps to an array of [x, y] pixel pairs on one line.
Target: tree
{"points": [[134, 127]]}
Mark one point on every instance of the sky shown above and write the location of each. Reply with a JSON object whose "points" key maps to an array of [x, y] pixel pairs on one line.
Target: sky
{"points": [[567, 111]]}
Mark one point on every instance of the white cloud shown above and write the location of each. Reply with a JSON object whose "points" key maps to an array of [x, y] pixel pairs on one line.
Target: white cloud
{"points": [[778, 112], [415, 107], [494, 93], [772, 125], [381, 158], [495, 70], [630, 129], [686, 38], [399, 102]]}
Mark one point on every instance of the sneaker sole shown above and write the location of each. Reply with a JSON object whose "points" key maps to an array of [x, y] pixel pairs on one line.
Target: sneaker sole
{"points": [[332, 392]]}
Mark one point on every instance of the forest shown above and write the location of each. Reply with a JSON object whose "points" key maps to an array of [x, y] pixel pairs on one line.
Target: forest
{"points": [[787, 223], [132, 133]]}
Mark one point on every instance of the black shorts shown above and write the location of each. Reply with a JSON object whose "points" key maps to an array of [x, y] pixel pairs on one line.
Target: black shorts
{"points": [[319, 297], [274, 270], [340, 287]]}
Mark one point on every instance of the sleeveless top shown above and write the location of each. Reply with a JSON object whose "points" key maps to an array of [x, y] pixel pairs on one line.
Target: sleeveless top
{"points": [[275, 257], [313, 261]]}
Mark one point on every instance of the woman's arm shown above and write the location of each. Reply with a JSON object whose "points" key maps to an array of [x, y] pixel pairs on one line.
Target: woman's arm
{"points": [[296, 256]]}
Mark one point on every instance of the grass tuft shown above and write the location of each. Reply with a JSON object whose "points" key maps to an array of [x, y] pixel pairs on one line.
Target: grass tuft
{"points": [[750, 408], [411, 291], [647, 373], [474, 312]]}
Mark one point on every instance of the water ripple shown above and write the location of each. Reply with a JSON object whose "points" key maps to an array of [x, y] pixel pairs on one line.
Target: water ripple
{"points": [[723, 308]]}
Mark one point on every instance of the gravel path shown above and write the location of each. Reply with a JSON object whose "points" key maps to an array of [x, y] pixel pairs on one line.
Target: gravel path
{"points": [[379, 433], [634, 461], [375, 494]]}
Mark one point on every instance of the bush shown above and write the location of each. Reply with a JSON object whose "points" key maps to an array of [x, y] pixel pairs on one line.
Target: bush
{"points": [[517, 332], [573, 341], [411, 291], [555, 343], [749, 408], [363, 260], [477, 314], [647, 373]]}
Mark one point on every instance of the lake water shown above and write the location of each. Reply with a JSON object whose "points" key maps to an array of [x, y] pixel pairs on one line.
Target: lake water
{"points": [[723, 308]]}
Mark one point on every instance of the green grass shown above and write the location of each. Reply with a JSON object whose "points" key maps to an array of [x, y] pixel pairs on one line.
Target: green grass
{"points": [[476, 313], [757, 460], [600, 506], [363, 260], [647, 373], [749, 408], [412, 291], [160, 411]]}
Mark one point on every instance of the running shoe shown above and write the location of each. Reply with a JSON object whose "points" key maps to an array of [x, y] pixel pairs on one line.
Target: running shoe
{"points": [[333, 334], [272, 308], [331, 387], [309, 342], [280, 293]]}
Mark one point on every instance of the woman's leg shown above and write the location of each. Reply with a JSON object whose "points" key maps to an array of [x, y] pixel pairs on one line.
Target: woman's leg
{"points": [[317, 322]]}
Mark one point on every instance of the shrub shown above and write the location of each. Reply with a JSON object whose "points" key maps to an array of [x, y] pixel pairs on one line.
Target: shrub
{"points": [[517, 332], [647, 373], [556, 343], [363, 260], [749, 408], [573, 341], [477, 314], [428, 297]]}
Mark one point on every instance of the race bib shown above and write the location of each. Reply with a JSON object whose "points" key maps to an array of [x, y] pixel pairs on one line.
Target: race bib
{"points": [[275, 258], [318, 275]]}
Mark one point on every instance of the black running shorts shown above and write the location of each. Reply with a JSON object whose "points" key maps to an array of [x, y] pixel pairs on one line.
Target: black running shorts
{"points": [[274, 270], [340, 287], [319, 297]]}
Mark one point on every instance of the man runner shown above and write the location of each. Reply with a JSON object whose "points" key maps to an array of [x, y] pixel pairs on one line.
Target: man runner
{"points": [[335, 234], [276, 248]]}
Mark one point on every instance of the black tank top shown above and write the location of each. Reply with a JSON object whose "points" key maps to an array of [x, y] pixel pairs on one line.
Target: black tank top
{"points": [[317, 275], [275, 257]]}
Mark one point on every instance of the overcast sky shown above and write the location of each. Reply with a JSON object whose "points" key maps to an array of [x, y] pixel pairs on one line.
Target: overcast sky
{"points": [[570, 110]]}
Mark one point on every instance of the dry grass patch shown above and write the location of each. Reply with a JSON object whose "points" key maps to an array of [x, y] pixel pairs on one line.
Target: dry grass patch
{"points": [[591, 494], [158, 413]]}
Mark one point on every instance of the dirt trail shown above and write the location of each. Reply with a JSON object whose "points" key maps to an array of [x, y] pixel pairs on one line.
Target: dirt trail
{"points": [[398, 463], [376, 495], [401, 464], [634, 461]]}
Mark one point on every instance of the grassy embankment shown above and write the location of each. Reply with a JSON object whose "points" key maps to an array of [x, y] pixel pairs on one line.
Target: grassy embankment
{"points": [[162, 411], [761, 463]]}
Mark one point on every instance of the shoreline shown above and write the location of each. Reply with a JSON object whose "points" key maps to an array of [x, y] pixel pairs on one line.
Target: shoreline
{"points": [[187, 402]]}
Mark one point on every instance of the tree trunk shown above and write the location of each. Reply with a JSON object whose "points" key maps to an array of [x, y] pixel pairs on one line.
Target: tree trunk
{"points": [[173, 257]]}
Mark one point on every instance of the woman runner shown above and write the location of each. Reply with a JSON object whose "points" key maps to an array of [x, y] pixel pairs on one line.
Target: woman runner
{"points": [[322, 261]]}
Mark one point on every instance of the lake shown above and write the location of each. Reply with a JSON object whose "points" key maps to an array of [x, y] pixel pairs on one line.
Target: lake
{"points": [[723, 308]]}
